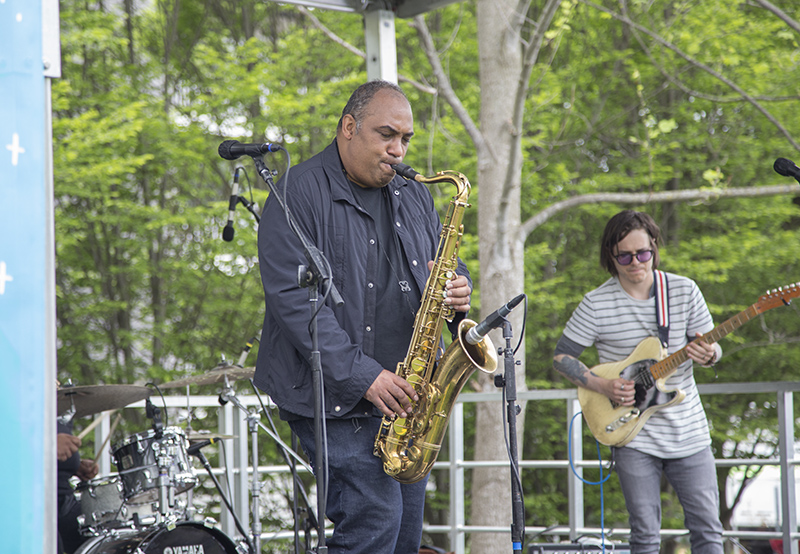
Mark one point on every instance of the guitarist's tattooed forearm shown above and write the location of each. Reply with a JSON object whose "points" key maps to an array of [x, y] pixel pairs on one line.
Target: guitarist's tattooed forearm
{"points": [[572, 369]]}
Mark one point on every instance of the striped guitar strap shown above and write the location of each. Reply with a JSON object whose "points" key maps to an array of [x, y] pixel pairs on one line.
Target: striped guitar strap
{"points": [[662, 305]]}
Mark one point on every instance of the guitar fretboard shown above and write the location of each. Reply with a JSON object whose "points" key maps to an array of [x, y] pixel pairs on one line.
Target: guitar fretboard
{"points": [[671, 362]]}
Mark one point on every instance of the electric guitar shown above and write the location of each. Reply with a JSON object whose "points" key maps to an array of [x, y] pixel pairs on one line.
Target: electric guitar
{"points": [[649, 366]]}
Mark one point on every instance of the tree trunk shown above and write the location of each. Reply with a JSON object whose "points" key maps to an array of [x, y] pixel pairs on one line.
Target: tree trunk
{"points": [[501, 253]]}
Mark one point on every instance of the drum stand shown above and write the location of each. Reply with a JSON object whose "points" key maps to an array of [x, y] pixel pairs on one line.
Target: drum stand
{"points": [[253, 423]]}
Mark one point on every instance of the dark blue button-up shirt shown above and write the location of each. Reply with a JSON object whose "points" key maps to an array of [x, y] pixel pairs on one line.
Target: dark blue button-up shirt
{"points": [[322, 203]]}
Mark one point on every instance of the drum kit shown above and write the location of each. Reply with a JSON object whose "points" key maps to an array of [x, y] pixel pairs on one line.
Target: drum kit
{"points": [[146, 507]]}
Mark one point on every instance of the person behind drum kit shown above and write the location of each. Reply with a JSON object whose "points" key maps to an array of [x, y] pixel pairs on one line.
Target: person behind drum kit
{"points": [[69, 507], [379, 231], [675, 441]]}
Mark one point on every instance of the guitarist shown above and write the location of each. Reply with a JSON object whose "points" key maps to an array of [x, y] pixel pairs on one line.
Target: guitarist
{"points": [[675, 441]]}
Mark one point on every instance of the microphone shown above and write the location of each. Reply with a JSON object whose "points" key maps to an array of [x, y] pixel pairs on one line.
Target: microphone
{"points": [[248, 345], [227, 231], [233, 149], [787, 168], [476, 334], [194, 449], [405, 171]]}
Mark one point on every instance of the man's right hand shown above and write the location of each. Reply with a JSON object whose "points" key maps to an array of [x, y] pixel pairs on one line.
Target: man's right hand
{"points": [[66, 446], [391, 394]]}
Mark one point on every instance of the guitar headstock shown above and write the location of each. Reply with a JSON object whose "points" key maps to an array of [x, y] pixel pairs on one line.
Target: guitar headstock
{"points": [[781, 296]]}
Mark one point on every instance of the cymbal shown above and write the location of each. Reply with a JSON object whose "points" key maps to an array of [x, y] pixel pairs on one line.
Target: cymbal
{"points": [[94, 399], [203, 435], [216, 375]]}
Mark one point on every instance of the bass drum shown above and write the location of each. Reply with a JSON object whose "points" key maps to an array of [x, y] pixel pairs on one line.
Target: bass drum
{"points": [[186, 537]]}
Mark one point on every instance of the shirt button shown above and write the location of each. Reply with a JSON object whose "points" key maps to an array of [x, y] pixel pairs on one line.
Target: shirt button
{"points": [[369, 328], [414, 263], [397, 193], [397, 223], [372, 241], [370, 285], [337, 409]]}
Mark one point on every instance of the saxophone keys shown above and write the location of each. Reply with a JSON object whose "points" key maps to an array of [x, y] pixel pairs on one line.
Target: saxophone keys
{"points": [[399, 427]]}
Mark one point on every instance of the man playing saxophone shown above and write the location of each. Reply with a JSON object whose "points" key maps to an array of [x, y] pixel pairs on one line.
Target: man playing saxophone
{"points": [[380, 234]]}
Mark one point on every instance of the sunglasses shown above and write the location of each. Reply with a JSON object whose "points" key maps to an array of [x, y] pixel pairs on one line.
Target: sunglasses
{"points": [[627, 258]]}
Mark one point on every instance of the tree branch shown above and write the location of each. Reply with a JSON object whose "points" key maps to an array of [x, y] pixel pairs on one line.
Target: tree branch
{"points": [[656, 197], [781, 14], [360, 53], [445, 88], [699, 64]]}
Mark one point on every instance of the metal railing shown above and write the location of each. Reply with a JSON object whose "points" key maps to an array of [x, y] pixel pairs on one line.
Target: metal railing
{"points": [[238, 469]]}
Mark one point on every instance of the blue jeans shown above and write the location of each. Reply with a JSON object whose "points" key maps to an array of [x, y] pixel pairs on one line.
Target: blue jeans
{"points": [[694, 479], [370, 511]]}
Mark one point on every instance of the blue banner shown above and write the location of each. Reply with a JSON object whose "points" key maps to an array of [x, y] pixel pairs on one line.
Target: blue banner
{"points": [[22, 274]]}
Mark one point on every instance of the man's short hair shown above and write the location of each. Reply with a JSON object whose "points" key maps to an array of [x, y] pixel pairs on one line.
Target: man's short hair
{"points": [[362, 96], [618, 228]]}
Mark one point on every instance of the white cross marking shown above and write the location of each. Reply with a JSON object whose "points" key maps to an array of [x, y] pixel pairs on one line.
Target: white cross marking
{"points": [[4, 277], [15, 148]]}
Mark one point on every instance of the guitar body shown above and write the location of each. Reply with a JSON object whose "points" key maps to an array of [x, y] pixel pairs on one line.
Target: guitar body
{"points": [[613, 424]]}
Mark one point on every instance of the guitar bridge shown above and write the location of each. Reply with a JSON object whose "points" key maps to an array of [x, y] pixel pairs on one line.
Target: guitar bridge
{"points": [[622, 420]]}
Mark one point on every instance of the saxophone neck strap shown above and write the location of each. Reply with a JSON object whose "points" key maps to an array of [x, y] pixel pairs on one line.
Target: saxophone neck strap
{"points": [[661, 285]]}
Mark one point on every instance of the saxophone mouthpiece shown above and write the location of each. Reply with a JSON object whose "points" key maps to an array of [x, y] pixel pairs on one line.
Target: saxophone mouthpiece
{"points": [[405, 171]]}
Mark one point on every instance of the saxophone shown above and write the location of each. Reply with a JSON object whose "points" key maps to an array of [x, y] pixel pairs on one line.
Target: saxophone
{"points": [[409, 446]]}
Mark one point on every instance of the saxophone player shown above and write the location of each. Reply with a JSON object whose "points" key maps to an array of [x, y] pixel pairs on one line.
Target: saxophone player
{"points": [[380, 234]]}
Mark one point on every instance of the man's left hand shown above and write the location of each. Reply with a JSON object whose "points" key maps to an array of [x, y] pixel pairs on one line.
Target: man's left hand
{"points": [[458, 292]]}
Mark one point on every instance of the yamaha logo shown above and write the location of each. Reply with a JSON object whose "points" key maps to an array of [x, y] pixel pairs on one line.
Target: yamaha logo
{"points": [[188, 549]]}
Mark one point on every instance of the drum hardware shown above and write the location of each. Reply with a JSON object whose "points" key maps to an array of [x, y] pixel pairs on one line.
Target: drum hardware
{"points": [[195, 450], [253, 423], [224, 374], [185, 536]]}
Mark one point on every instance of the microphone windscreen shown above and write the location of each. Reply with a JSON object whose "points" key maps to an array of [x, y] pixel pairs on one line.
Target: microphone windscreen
{"points": [[785, 167], [224, 150]]}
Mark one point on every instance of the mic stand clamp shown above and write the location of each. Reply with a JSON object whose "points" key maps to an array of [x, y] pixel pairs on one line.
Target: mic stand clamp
{"points": [[509, 382], [250, 206]]}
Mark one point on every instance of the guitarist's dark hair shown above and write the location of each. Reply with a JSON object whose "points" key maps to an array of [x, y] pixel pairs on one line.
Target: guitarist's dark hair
{"points": [[618, 228]]}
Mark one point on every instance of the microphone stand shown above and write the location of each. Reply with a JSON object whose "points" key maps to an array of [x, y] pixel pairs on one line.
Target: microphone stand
{"points": [[311, 276], [508, 381]]}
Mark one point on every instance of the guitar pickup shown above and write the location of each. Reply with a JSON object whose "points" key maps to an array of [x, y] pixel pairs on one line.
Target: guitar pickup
{"points": [[622, 420]]}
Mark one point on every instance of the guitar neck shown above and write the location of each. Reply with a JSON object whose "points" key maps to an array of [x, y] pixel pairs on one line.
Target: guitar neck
{"points": [[671, 362]]}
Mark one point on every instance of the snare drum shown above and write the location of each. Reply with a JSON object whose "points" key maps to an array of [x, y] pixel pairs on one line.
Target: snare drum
{"points": [[137, 459]]}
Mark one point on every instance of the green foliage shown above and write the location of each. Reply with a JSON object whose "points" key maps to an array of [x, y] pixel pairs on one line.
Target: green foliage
{"points": [[147, 291]]}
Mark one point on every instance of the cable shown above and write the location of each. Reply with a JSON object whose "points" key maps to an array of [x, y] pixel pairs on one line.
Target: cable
{"points": [[600, 482], [163, 402]]}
